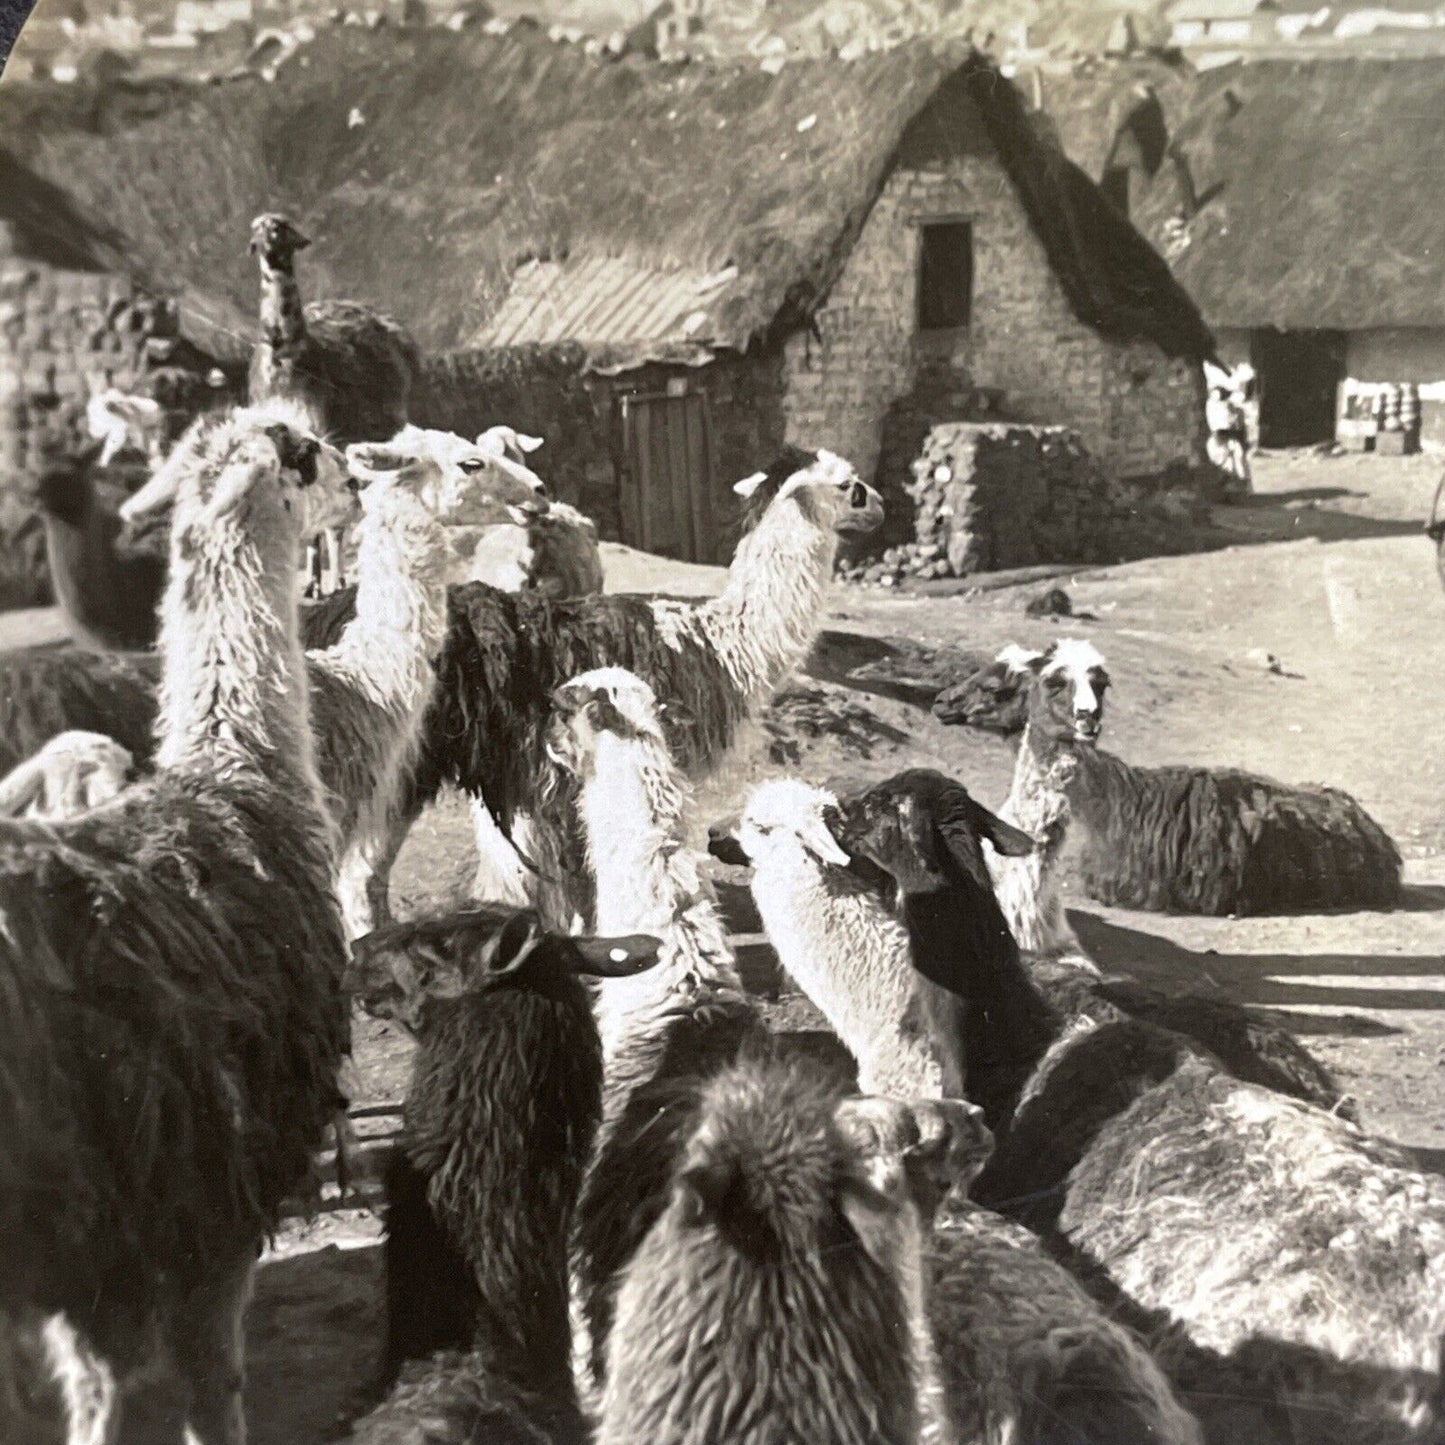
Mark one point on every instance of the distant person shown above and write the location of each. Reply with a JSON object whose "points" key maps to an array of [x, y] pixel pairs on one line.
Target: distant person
{"points": [[1228, 434]]}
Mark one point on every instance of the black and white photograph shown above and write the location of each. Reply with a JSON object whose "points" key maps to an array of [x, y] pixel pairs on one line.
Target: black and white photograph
{"points": [[721, 722]]}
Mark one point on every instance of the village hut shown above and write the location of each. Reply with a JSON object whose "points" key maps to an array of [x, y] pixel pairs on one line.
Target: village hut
{"points": [[666, 271], [1291, 212]]}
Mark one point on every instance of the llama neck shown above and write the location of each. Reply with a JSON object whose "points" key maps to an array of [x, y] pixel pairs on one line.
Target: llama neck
{"points": [[233, 685], [283, 321], [385, 655], [1038, 802], [1038, 796], [648, 880], [767, 616]]}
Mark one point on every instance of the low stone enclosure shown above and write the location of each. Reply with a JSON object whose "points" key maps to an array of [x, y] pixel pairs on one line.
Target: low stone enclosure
{"points": [[993, 495]]}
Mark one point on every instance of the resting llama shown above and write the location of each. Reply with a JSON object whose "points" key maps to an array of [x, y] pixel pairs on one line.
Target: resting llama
{"points": [[1012, 1348], [185, 936], [1173, 839], [500, 1114], [1298, 1261]]}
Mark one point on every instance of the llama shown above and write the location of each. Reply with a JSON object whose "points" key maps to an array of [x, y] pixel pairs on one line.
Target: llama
{"points": [[1294, 1260], [500, 1114], [1185, 839], [380, 676], [664, 1032], [73, 772], [981, 1014], [108, 599], [990, 1011], [1011, 1347], [766, 1301], [355, 367], [1223, 1208], [993, 697], [833, 932], [713, 664], [183, 936]]}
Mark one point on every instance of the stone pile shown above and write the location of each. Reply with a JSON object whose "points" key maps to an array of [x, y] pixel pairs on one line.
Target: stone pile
{"points": [[995, 495]]}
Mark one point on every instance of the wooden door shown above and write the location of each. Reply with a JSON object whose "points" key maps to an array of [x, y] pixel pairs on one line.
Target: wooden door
{"points": [[666, 486]]}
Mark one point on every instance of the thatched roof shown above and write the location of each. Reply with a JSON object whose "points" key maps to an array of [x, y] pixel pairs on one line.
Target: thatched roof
{"points": [[1087, 105], [429, 167], [1316, 182]]}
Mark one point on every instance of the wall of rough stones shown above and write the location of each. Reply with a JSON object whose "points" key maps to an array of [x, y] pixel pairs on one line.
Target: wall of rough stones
{"points": [[1139, 412], [988, 496], [62, 334], [548, 392]]}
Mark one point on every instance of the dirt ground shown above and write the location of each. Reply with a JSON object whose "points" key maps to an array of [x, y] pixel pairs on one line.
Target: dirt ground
{"points": [[1327, 571]]}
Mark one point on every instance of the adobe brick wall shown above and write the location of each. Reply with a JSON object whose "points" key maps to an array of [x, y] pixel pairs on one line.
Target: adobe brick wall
{"points": [[1139, 413]]}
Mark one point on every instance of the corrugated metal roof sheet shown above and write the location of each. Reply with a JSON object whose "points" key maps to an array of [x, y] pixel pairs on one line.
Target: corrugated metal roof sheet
{"points": [[605, 301]]}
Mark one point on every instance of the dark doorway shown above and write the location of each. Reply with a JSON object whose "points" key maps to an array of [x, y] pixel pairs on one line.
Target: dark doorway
{"points": [[666, 486], [1299, 375], [945, 276]]}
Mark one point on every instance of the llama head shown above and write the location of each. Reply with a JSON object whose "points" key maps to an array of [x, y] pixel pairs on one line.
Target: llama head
{"points": [[786, 822], [926, 830], [458, 483], [276, 240], [995, 697], [608, 701], [768, 1164], [120, 420], [917, 1153], [824, 487], [1066, 696], [265, 462], [395, 972]]}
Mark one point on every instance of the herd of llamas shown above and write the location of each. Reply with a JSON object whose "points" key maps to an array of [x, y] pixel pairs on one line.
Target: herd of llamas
{"points": [[1037, 1205]]}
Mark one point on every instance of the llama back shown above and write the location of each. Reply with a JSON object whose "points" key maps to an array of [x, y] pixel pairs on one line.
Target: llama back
{"points": [[90, 1143], [1220, 841]]}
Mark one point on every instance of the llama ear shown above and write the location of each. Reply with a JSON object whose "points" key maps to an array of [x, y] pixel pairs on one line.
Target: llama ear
{"points": [[749, 485], [512, 944], [701, 1190], [369, 459], [1008, 841], [616, 957]]}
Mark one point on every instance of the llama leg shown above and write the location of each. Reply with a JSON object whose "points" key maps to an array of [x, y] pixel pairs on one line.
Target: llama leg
{"points": [[86, 1382], [209, 1345], [382, 858], [501, 876]]}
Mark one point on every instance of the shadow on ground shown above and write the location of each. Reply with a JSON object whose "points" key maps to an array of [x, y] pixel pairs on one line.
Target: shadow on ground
{"points": [[1267, 979]]}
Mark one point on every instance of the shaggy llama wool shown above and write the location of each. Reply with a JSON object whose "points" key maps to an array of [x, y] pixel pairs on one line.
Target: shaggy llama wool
{"points": [[663, 1032], [170, 967], [499, 1118], [764, 1303], [834, 934]]}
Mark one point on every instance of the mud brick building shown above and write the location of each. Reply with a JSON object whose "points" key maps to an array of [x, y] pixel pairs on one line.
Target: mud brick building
{"points": [[665, 270]]}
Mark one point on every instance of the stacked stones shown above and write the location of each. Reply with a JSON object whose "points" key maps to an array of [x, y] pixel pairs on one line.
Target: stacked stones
{"points": [[997, 495]]}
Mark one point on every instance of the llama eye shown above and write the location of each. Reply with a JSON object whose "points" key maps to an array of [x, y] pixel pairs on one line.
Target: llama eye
{"points": [[472, 465]]}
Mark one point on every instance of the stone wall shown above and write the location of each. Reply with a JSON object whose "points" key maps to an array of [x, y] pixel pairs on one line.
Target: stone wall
{"points": [[989, 496], [548, 392], [62, 334], [1139, 412]]}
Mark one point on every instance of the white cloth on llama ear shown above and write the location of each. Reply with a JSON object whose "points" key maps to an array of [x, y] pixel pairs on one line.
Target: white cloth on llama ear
{"points": [[749, 485]]}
